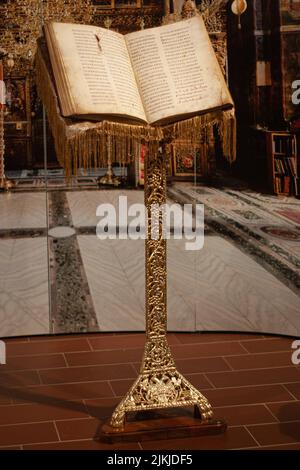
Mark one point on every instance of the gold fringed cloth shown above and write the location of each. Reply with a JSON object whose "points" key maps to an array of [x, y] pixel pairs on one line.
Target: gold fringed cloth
{"points": [[83, 144]]}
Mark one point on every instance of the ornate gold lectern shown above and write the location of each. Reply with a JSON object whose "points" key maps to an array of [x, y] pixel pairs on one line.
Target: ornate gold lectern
{"points": [[159, 385]]}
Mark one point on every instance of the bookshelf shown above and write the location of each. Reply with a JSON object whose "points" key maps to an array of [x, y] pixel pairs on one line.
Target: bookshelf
{"points": [[282, 163]]}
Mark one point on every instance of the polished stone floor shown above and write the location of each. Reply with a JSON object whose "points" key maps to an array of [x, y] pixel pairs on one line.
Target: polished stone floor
{"points": [[246, 278], [56, 392]]}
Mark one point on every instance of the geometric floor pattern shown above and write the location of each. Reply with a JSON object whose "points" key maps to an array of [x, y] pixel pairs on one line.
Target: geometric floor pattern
{"points": [[246, 278], [56, 392]]}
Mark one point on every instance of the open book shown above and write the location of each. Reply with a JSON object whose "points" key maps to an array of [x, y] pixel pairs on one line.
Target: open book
{"points": [[155, 76]]}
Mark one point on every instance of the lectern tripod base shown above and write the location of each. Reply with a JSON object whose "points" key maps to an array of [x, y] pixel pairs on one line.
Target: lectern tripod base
{"points": [[156, 405]]}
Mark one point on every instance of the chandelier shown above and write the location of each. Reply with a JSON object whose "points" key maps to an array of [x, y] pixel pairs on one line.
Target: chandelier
{"points": [[22, 22]]}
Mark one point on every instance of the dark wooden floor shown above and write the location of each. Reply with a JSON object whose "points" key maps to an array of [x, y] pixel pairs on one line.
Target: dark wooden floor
{"points": [[56, 392]]}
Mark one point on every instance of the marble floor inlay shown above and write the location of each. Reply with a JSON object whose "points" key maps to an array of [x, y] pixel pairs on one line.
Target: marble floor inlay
{"points": [[24, 302], [22, 211], [207, 290], [61, 232], [274, 253], [72, 309], [83, 205], [246, 278]]}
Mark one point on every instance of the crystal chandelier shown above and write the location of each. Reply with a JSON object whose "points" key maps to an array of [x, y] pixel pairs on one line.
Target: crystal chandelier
{"points": [[22, 22]]}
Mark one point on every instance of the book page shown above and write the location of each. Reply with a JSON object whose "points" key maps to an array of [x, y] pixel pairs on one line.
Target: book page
{"points": [[177, 70], [97, 70]]}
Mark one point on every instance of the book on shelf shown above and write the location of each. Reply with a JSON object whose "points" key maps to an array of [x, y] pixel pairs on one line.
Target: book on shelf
{"points": [[285, 166], [293, 166], [286, 184], [277, 184], [153, 76]]}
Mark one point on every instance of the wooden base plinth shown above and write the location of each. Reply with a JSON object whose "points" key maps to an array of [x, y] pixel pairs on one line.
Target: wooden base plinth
{"points": [[150, 426]]}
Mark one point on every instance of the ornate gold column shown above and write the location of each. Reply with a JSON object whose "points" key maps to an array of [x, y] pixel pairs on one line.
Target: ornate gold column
{"points": [[109, 178], [159, 384], [5, 184], [2, 174]]}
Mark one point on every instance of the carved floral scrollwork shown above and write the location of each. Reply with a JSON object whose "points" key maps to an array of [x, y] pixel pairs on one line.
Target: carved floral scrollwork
{"points": [[159, 384]]}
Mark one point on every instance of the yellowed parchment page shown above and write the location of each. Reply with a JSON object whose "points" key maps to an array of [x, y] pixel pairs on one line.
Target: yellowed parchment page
{"points": [[177, 70], [98, 71]]}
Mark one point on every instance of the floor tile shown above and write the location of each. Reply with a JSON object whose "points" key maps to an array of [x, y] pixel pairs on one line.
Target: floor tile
{"points": [[48, 361], [19, 378], [85, 374], [269, 345], [204, 337], [121, 387], [207, 350], [282, 433], [30, 413], [11, 448], [281, 447], [255, 377], [103, 408], [58, 392], [234, 438], [82, 445], [76, 429], [211, 364], [27, 433], [248, 395], [62, 405], [243, 415], [285, 412], [118, 356], [199, 381], [259, 361], [119, 341], [47, 346], [294, 389]]}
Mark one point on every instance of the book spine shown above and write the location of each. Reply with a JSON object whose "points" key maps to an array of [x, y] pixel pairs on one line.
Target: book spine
{"points": [[286, 184]]}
